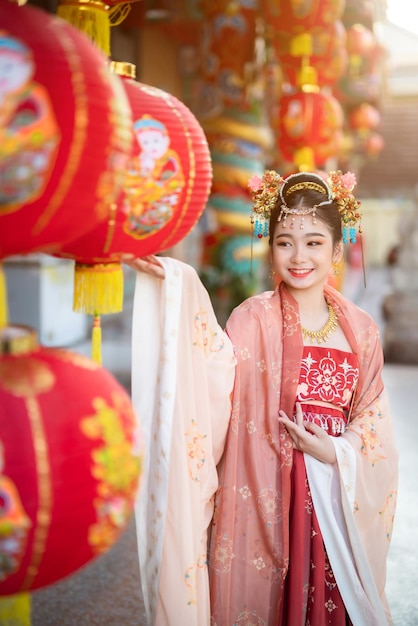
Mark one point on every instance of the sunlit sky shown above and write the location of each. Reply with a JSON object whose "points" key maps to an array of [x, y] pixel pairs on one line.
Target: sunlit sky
{"points": [[403, 13]]}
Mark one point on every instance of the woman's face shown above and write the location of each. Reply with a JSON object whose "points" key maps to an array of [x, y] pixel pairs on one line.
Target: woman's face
{"points": [[303, 257]]}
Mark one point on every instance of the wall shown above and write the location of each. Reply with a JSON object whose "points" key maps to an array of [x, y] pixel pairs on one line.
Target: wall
{"points": [[381, 219]]}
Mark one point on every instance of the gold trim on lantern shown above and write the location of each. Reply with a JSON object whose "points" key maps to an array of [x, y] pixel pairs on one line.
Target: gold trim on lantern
{"points": [[80, 135], [17, 339], [123, 68], [43, 514], [111, 225], [190, 185], [4, 311]]}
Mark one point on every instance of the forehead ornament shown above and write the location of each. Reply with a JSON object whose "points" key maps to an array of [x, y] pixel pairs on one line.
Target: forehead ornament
{"points": [[267, 190]]}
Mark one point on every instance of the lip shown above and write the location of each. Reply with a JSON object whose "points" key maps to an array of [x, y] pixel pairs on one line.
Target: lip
{"points": [[300, 273]]}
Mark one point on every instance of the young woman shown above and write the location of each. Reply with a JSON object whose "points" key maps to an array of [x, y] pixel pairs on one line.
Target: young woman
{"points": [[305, 506], [307, 479]]}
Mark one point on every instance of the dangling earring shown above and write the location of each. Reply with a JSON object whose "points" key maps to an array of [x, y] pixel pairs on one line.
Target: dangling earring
{"points": [[335, 269], [272, 273]]}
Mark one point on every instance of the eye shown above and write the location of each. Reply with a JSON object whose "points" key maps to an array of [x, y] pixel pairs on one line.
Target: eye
{"points": [[283, 244], [314, 243]]}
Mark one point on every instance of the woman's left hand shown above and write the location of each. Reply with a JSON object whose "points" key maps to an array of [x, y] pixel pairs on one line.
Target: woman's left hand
{"points": [[308, 437]]}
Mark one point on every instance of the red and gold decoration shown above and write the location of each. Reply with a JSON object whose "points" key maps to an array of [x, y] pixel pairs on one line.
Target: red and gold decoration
{"points": [[318, 57], [303, 16], [66, 132], [374, 143], [230, 102], [310, 128], [70, 462], [309, 39], [226, 53], [360, 44], [95, 17], [364, 118], [166, 187]]}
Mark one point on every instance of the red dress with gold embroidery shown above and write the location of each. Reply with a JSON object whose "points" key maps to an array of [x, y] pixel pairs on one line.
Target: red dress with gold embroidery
{"points": [[326, 384]]}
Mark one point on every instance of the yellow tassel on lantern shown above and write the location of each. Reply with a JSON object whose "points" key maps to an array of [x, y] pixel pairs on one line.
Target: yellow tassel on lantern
{"points": [[4, 313], [301, 45], [96, 340], [308, 78], [98, 289], [15, 610], [94, 18], [89, 16], [304, 159]]}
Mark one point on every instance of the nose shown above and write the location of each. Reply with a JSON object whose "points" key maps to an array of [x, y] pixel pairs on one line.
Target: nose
{"points": [[298, 254]]}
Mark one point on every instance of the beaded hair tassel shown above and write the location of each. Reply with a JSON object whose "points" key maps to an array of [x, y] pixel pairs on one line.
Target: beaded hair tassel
{"points": [[264, 192], [342, 186]]}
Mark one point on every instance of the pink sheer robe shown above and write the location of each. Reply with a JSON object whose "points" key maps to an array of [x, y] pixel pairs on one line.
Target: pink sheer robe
{"points": [[354, 499]]}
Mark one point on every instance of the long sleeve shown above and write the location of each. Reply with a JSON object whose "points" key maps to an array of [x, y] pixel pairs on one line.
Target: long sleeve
{"points": [[183, 369]]}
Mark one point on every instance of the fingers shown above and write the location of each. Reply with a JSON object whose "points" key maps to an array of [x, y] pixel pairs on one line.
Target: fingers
{"points": [[314, 429], [309, 437], [299, 415], [147, 264]]}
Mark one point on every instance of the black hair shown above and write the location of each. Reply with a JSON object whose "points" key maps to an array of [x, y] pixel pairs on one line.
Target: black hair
{"points": [[307, 198]]}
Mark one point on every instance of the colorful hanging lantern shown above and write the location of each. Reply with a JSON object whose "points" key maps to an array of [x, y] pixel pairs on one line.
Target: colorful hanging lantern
{"points": [[310, 128], [70, 462], [299, 17], [361, 43], [66, 132], [166, 187], [321, 62], [364, 118], [374, 143]]}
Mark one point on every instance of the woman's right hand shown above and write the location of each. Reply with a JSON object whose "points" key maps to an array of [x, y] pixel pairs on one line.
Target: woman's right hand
{"points": [[148, 264]]}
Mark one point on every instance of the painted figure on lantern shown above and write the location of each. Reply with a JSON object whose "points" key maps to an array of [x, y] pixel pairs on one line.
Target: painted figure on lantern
{"points": [[115, 467], [154, 180], [14, 524], [294, 120], [29, 134]]}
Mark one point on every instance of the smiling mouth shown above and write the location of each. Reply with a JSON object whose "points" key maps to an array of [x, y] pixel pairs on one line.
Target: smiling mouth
{"points": [[303, 272]]}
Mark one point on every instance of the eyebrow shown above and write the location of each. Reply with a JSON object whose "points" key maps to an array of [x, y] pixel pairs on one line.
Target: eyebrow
{"points": [[305, 234]]}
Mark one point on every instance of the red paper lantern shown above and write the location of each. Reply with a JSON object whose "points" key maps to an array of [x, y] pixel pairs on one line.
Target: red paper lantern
{"points": [[361, 44], [70, 461], [374, 144], [364, 118], [310, 128], [66, 132], [326, 56], [299, 17], [167, 184]]}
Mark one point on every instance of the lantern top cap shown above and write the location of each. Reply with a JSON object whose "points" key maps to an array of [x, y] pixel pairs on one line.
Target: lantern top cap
{"points": [[17, 339], [123, 68], [336, 187]]}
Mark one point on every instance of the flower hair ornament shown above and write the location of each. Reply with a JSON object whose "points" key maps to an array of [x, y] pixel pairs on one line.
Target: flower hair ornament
{"points": [[266, 190]]}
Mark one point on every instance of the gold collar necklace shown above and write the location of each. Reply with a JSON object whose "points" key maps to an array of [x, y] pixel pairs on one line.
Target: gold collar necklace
{"points": [[321, 335]]}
